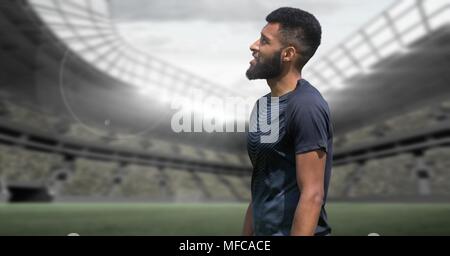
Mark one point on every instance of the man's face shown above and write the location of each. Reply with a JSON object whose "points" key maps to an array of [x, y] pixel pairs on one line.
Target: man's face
{"points": [[267, 54]]}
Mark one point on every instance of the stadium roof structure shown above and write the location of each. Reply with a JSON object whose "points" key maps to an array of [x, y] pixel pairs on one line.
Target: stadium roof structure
{"points": [[394, 62], [87, 30]]}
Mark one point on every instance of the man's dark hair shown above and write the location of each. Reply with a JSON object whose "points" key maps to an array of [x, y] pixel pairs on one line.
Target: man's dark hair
{"points": [[299, 29]]}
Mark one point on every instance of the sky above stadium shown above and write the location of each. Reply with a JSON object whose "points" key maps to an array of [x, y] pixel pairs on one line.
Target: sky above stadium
{"points": [[212, 38]]}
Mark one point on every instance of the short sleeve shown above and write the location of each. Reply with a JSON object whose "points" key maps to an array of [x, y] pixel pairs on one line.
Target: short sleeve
{"points": [[309, 127]]}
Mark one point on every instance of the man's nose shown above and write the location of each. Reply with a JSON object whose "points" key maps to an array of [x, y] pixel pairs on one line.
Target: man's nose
{"points": [[254, 46]]}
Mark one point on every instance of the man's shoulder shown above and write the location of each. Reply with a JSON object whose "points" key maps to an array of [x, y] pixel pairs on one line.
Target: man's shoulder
{"points": [[265, 97], [307, 96]]}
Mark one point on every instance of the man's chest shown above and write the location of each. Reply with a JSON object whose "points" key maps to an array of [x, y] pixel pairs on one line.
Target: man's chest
{"points": [[260, 149]]}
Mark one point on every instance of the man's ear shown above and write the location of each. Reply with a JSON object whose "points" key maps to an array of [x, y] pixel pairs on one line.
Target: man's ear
{"points": [[289, 53]]}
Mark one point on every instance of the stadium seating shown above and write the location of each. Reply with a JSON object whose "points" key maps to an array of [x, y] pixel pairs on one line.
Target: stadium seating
{"points": [[96, 178], [138, 182], [230, 158], [341, 179], [90, 178], [439, 159], [239, 184], [184, 186], [217, 190], [189, 152], [211, 155], [86, 133], [21, 114], [28, 167], [412, 121], [386, 177], [361, 135], [160, 146], [401, 124], [65, 127], [129, 142]]}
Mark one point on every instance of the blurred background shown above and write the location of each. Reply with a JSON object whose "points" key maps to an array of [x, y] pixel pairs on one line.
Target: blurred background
{"points": [[86, 89]]}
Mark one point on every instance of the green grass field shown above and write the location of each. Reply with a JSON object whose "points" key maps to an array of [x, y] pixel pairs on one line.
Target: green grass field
{"points": [[211, 219]]}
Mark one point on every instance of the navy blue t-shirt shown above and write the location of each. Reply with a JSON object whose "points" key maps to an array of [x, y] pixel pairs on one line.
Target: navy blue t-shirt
{"points": [[302, 124]]}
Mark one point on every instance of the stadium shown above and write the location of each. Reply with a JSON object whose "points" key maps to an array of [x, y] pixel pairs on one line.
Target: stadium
{"points": [[87, 147]]}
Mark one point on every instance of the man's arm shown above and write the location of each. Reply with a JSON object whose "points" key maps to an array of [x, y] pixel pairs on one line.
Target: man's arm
{"points": [[310, 169], [248, 221]]}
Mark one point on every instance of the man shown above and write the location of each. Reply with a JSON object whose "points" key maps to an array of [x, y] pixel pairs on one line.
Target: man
{"points": [[291, 173]]}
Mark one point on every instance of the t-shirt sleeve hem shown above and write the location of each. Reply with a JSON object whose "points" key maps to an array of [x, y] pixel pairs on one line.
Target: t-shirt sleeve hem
{"points": [[308, 148]]}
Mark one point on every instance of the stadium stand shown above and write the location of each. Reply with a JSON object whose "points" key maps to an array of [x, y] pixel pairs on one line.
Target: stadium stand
{"points": [[184, 185], [439, 176], [216, 188], [239, 185], [136, 181], [211, 155], [90, 178], [86, 133], [21, 166], [231, 158], [21, 114], [385, 177], [341, 180], [188, 151], [409, 122]]}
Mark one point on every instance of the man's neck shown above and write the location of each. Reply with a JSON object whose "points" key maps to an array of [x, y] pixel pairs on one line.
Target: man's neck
{"points": [[283, 84]]}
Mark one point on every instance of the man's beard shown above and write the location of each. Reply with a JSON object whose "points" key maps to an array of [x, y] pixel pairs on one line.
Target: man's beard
{"points": [[267, 69]]}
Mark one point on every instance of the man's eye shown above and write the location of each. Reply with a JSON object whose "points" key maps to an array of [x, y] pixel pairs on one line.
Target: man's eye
{"points": [[263, 41]]}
